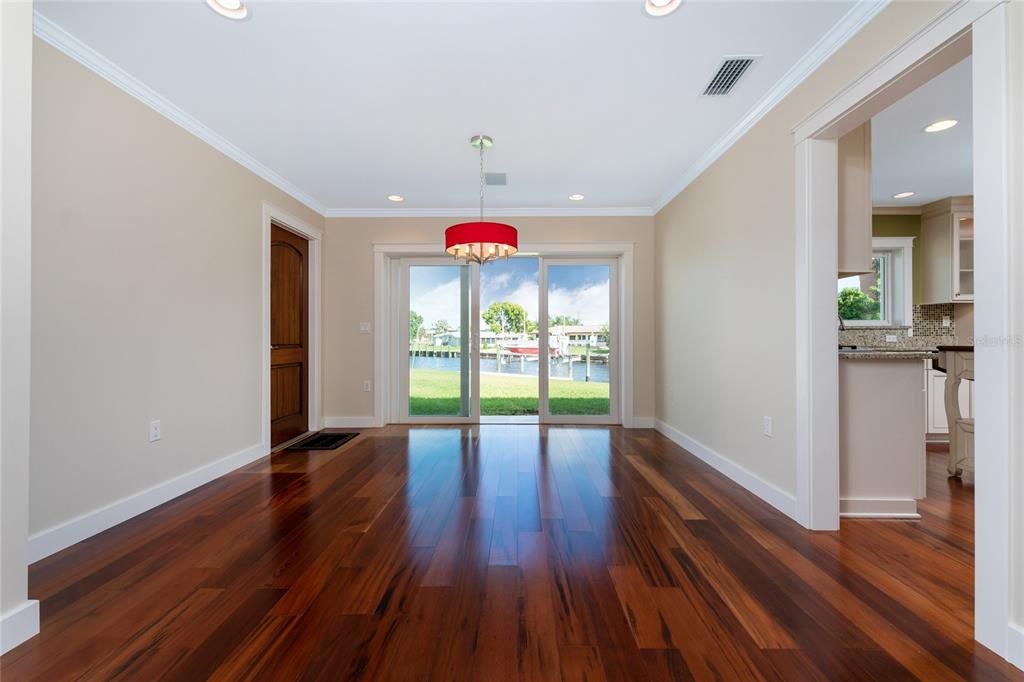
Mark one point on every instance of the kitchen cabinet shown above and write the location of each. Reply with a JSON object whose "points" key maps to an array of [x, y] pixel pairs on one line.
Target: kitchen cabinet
{"points": [[881, 436], [947, 251], [854, 244], [935, 383]]}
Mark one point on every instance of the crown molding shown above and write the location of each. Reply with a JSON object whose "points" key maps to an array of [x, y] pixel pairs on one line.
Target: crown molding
{"points": [[625, 211], [852, 22], [50, 32]]}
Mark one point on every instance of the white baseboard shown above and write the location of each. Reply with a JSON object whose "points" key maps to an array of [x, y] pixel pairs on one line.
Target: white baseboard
{"points": [[53, 539], [768, 492], [19, 624], [863, 508], [367, 422], [1015, 645], [641, 423]]}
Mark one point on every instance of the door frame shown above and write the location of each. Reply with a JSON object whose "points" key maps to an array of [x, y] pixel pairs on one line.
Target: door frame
{"points": [[275, 215], [387, 282], [940, 44]]}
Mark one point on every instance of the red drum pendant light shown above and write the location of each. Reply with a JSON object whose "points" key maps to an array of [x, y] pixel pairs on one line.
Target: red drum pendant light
{"points": [[481, 241]]}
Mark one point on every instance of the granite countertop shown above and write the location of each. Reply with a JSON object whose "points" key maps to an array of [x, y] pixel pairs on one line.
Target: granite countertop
{"points": [[886, 354]]}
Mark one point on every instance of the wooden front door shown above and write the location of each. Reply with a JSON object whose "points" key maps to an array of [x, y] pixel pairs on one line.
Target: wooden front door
{"points": [[289, 331]]}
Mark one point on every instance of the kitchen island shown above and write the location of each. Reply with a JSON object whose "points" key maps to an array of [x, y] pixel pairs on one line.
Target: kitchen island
{"points": [[881, 432]]}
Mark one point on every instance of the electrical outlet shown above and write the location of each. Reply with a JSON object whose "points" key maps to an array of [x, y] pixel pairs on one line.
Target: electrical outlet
{"points": [[367, 386], [891, 338], [945, 320], [154, 430], [364, 327], [766, 426]]}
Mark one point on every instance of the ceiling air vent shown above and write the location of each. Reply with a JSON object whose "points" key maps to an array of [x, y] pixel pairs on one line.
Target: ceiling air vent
{"points": [[727, 75], [496, 178]]}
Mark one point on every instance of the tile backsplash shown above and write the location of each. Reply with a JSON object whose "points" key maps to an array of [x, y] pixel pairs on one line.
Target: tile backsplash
{"points": [[928, 320], [928, 331]]}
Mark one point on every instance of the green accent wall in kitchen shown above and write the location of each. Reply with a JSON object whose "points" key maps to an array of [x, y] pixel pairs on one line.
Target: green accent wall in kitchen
{"points": [[902, 226]]}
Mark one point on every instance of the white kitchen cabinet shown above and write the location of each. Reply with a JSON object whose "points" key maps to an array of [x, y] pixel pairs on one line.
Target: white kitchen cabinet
{"points": [[936, 407], [854, 244], [947, 251]]}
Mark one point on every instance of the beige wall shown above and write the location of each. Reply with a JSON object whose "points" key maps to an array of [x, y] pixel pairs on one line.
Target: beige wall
{"points": [[725, 254], [348, 294], [146, 295], [15, 244]]}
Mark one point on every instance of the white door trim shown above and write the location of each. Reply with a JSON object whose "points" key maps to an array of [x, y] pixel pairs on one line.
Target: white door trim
{"points": [[817, 360], [280, 217], [386, 304], [937, 46]]}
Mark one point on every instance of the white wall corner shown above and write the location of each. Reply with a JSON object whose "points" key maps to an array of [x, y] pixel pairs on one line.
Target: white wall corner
{"points": [[19, 624], [54, 539], [773, 495]]}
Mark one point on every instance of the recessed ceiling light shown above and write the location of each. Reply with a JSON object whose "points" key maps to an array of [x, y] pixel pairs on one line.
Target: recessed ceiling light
{"points": [[945, 124], [232, 9], [660, 8], [576, 197], [902, 195], [396, 197]]}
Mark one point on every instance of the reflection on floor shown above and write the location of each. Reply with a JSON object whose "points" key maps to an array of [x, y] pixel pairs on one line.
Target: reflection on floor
{"points": [[506, 552]]}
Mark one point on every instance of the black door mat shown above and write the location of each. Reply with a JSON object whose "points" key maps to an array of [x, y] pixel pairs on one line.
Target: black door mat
{"points": [[323, 441]]}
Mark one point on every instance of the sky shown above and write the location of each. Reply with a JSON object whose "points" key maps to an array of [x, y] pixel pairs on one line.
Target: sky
{"points": [[576, 290]]}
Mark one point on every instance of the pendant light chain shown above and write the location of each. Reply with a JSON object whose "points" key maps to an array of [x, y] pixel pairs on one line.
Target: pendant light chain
{"points": [[480, 246]]}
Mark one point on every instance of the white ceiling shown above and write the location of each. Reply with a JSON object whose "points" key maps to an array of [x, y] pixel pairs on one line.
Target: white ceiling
{"points": [[934, 166], [350, 102]]}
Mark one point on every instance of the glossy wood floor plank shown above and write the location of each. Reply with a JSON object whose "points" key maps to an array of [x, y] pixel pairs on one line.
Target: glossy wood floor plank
{"points": [[507, 552]]}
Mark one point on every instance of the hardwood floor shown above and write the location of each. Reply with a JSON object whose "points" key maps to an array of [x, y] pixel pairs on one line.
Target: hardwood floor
{"points": [[506, 552]]}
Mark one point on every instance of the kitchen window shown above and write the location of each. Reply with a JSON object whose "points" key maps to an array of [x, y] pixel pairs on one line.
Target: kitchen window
{"points": [[882, 297]]}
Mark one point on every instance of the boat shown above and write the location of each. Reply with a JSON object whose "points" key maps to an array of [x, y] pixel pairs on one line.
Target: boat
{"points": [[531, 349]]}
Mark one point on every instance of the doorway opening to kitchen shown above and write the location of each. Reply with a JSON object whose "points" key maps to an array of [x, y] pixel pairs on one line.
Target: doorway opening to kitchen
{"points": [[905, 302], [959, 31]]}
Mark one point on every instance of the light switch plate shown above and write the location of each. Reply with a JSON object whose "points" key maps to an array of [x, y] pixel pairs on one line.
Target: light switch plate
{"points": [[364, 327], [154, 430], [367, 386], [945, 321], [766, 426]]}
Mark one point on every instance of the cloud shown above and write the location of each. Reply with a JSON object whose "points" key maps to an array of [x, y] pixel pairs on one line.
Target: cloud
{"points": [[590, 303], [439, 303]]}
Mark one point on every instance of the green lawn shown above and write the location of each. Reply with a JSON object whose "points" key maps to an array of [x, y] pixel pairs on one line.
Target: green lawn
{"points": [[435, 392]]}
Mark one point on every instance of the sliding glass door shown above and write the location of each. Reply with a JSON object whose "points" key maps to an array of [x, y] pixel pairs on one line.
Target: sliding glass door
{"points": [[437, 372], [509, 358], [529, 339], [580, 316]]}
